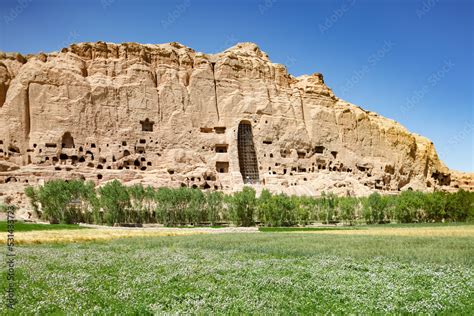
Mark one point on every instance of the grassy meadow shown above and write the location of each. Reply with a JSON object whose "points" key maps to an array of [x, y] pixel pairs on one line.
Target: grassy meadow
{"points": [[26, 227], [375, 269]]}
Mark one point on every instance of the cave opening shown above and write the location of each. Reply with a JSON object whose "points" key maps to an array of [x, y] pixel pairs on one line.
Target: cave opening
{"points": [[67, 141], [221, 148], [221, 166], [147, 125]]}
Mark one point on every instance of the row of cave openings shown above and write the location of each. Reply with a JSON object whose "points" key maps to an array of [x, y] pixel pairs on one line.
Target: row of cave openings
{"points": [[68, 141], [87, 154], [206, 182], [248, 159], [221, 166], [250, 170], [246, 153]]}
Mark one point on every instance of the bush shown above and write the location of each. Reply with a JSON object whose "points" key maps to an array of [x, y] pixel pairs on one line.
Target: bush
{"points": [[243, 207], [265, 208], [164, 212], [278, 210], [328, 208], [32, 195], [216, 212], [63, 201], [137, 207], [347, 209], [53, 197], [375, 208], [435, 206], [285, 210], [6, 208], [460, 206], [409, 207], [76, 201], [304, 207], [115, 201], [182, 206], [196, 211], [141, 200]]}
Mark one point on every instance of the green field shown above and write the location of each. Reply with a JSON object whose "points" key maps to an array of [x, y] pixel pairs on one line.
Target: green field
{"points": [[26, 227], [304, 229], [257, 273]]}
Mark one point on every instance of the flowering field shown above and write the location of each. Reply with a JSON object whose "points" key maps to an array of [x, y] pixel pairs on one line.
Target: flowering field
{"points": [[258, 273]]}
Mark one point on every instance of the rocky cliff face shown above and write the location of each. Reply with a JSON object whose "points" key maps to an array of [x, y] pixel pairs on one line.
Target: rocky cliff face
{"points": [[168, 115]]}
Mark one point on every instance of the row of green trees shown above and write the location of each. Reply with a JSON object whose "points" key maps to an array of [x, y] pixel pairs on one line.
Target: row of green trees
{"points": [[78, 201]]}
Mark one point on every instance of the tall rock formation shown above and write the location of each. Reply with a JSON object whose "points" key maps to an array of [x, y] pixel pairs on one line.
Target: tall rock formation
{"points": [[168, 115]]}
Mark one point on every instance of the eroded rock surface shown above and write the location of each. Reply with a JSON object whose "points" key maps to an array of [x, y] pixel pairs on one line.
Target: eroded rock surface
{"points": [[168, 115]]}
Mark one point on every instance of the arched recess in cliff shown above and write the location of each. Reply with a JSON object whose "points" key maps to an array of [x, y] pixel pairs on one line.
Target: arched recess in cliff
{"points": [[4, 83], [247, 156], [67, 141]]}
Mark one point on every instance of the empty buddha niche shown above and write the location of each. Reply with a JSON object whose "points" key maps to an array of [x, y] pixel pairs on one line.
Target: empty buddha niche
{"points": [[247, 155]]}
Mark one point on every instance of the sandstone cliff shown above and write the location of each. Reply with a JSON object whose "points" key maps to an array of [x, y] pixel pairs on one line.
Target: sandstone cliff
{"points": [[168, 115]]}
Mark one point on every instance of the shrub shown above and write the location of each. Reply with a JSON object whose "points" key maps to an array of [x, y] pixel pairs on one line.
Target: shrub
{"points": [[435, 206], [149, 201], [328, 207], [243, 207], [304, 208], [285, 210], [115, 200], [86, 204], [54, 197], [32, 195], [460, 206], [409, 206], [196, 211], [265, 208], [141, 199], [164, 212], [347, 208], [63, 201], [376, 205], [215, 207], [278, 210], [6, 208], [76, 201]]}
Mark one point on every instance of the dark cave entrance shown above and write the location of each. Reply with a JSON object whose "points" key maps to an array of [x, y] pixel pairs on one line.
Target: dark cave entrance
{"points": [[67, 141]]}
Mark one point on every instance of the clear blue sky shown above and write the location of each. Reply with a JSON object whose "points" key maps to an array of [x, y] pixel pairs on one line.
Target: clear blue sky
{"points": [[411, 61]]}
